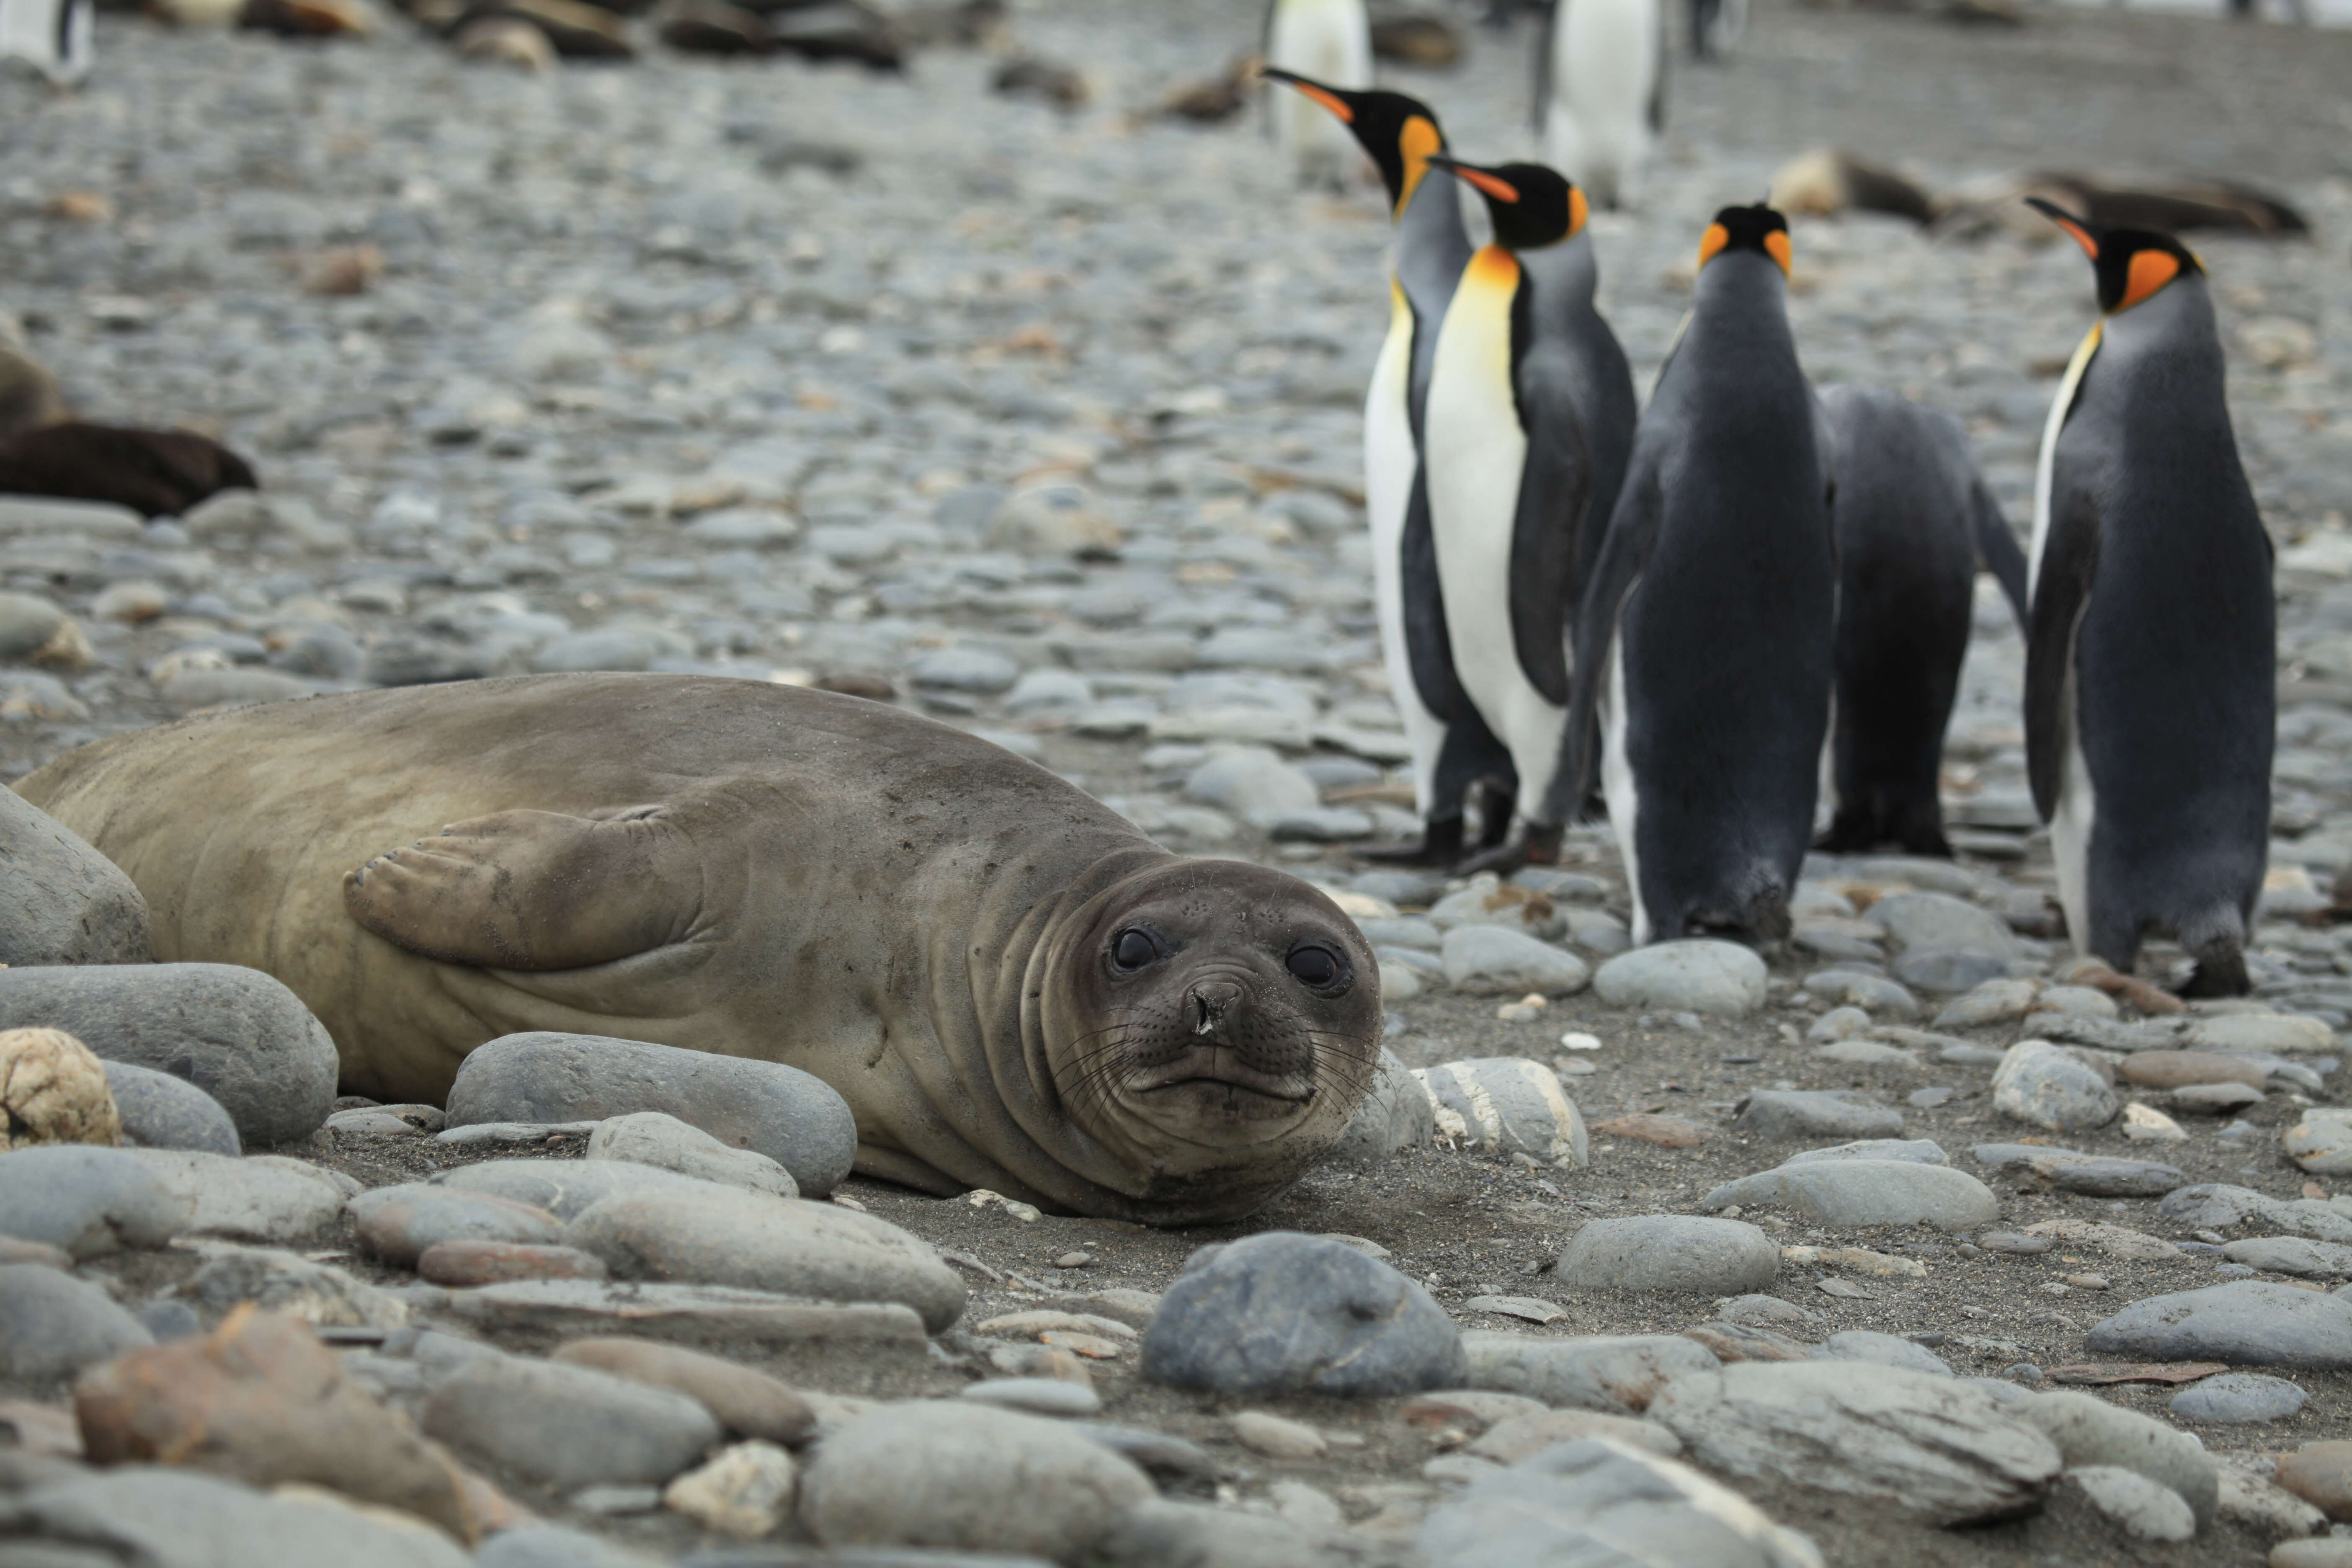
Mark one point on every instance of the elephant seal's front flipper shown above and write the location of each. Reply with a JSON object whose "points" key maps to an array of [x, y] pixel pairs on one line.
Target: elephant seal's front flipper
{"points": [[536, 890]]}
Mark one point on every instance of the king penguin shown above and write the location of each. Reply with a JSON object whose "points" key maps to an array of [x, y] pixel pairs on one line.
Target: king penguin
{"points": [[1600, 93], [1452, 746], [1529, 425], [1914, 517], [1705, 648], [2150, 662], [1328, 41]]}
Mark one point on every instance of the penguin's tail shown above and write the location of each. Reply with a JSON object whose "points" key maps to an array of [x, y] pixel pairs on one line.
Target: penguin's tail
{"points": [[2217, 939]]}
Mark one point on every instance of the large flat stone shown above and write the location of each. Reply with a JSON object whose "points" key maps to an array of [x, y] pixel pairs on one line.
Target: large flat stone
{"points": [[1857, 1192], [62, 902], [1620, 1374], [1720, 978], [87, 1200], [2246, 1323], [722, 1235], [1932, 1444], [693, 1313]]}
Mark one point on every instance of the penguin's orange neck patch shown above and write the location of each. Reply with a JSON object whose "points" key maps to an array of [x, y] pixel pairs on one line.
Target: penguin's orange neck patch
{"points": [[1579, 211], [1777, 246], [1415, 142], [1715, 238], [2150, 270], [1492, 268]]}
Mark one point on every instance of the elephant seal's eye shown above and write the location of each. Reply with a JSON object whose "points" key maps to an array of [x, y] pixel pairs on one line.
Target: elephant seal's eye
{"points": [[1317, 968], [1133, 949]]}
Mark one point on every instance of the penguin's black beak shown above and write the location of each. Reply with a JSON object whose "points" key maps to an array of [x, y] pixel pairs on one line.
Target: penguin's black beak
{"points": [[1331, 98]]}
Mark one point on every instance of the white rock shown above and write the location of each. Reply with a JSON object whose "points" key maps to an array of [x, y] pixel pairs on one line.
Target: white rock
{"points": [[745, 1492], [2041, 1084], [1495, 961], [1719, 978], [2137, 1505], [651, 1138], [1507, 1105]]}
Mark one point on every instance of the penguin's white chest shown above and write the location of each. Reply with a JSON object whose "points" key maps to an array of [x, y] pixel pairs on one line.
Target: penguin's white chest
{"points": [[1330, 41], [1390, 461], [1606, 57], [1476, 453]]}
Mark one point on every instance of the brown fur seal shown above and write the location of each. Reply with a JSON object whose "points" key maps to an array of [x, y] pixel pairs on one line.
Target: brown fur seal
{"points": [[158, 473], [1012, 987]]}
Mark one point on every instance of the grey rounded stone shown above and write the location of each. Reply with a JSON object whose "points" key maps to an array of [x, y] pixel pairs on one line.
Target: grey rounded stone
{"points": [[1280, 1313], [1619, 1374], [1396, 1114], [1914, 1150], [87, 1200], [397, 1224], [60, 900], [2249, 1322], [2090, 1431], [1670, 1252], [1859, 1193], [1787, 1115], [1946, 971], [52, 1325], [1881, 1349], [794, 1118], [1938, 919], [702, 1234], [2140, 1507], [266, 1197], [161, 1111], [1719, 978], [2047, 1087], [236, 1034], [1594, 1502], [1507, 1105], [1495, 961], [1937, 1446], [663, 1142], [1486, 902], [565, 1188], [966, 1477], [973, 669], [1038, 1395], [1253, 784], [170, 1517], [2293, 1254], [554, 1546], [567, 1427], [2238, 1397]]}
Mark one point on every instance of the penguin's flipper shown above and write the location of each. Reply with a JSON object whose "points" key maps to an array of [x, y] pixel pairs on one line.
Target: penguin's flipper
{"points": [[1999, 549], [1429, 648], [1555, 489], [1632, 530], [2062, 591]]}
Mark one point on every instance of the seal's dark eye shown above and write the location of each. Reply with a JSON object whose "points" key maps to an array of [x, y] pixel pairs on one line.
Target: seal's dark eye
{"points": [[1316, 967], [1132, 950]]}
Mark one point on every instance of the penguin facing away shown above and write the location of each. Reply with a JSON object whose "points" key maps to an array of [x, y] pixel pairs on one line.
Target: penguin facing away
{"points": [[1705, 648], [1531, 421], [1452, 747], [2152, 656], [1329, 41], [1913, 515], [1715, 28], [1600, 93]]}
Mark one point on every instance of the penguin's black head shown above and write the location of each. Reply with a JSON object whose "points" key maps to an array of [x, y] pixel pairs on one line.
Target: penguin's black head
{"points": [[2131, 263], [1759, 229], [1532, 206], [1400, 133]]}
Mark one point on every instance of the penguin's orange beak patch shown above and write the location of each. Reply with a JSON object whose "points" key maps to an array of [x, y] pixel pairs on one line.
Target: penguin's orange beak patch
{"points": [[1331, 100], [1776, 245], [1578, 211], [2080, 235], [2150, 270], [1502, 190], [1715, 238]]}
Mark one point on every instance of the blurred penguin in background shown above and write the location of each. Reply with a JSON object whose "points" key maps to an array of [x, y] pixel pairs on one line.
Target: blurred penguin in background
{"points": [[1600, 93], [53, 35], [1329, 42], [1715, 28]]}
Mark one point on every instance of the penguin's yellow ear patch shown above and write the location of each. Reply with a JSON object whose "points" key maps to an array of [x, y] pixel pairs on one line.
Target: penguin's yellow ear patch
{"points": [[2150, 270], [1418, 140], [1715, 238], [1776, 244], [1578, 211]]}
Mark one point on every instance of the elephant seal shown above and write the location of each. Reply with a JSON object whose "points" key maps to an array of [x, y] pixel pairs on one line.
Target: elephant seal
{"points": [[1012, 986]]}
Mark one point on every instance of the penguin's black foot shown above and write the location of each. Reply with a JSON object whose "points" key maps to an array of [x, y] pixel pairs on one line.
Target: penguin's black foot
{"points": [[1440, 847], [1539, 846], [2217, 974]]}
